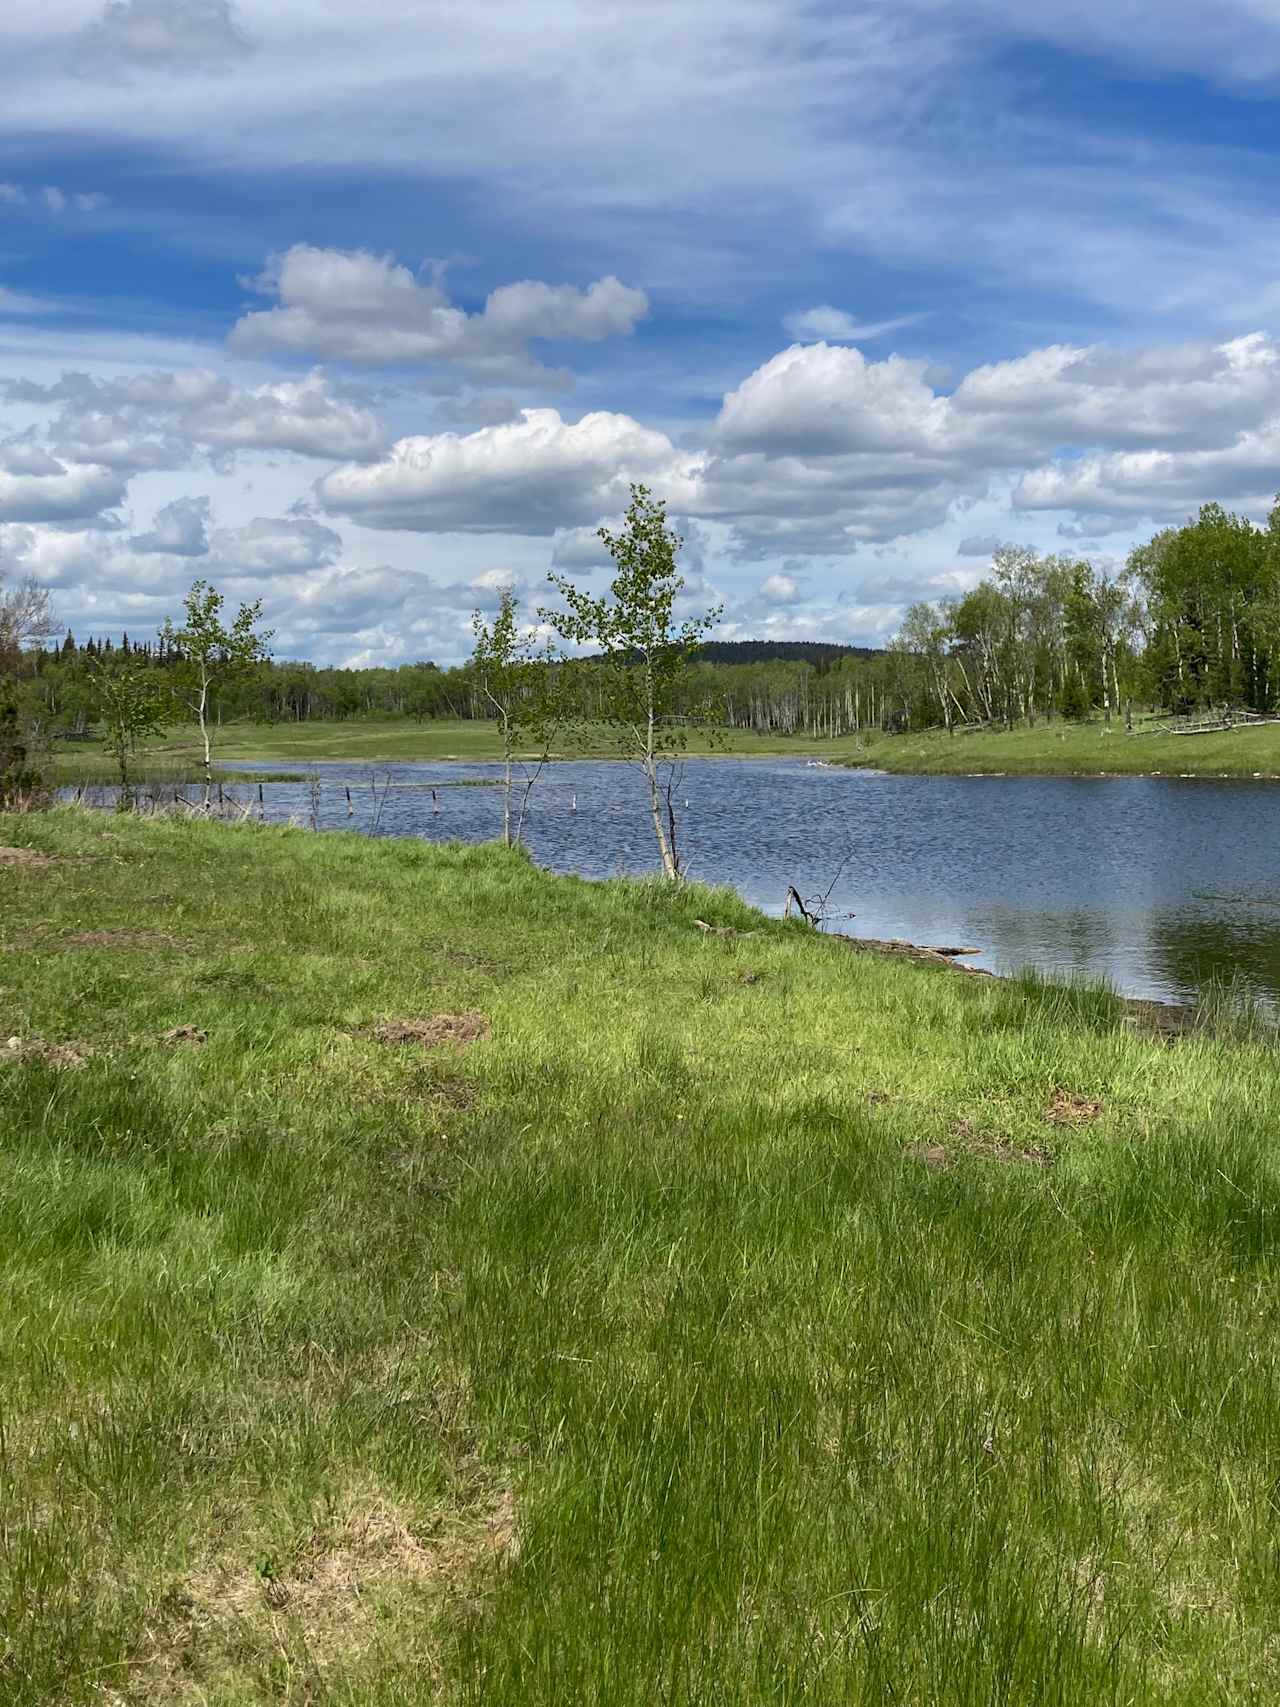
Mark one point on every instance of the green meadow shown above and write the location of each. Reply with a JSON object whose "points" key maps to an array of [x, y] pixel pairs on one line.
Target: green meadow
{"points": [[429, 1280], [1048, 749]]}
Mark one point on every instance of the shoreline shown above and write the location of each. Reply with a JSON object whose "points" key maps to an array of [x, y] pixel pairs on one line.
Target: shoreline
{"points": [[1165, 1019]]}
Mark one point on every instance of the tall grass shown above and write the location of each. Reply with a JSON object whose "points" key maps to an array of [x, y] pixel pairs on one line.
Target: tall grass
{"points": [[744, 1321]]}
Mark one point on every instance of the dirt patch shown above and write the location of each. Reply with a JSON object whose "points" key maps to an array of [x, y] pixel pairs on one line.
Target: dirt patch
{"points": [[120, 939], [47, 1054], [184, 1034], [326, 1607], [457, 1029], [935, 1156], [27, 857], [915, 951], [1068, 1108], [1164, 1020], [965, 1139]]}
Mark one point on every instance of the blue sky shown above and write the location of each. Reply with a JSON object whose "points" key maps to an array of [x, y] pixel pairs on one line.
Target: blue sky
{"points": [[370, 311]]}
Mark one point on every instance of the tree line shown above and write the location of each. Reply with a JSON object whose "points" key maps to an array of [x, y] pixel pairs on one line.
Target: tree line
{"points": [[1191, 620]]}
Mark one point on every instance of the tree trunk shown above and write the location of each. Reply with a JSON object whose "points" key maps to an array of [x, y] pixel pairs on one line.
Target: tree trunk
{"points": [[670, 867], [202, 712]]}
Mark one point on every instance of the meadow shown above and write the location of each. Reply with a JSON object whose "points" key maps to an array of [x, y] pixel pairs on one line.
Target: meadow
{"points": [[1048, 749], [430, 1280], [1077, 749]]}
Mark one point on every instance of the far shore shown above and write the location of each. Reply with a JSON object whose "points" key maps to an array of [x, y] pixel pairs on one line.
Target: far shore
{"points": [[1047, 750]]}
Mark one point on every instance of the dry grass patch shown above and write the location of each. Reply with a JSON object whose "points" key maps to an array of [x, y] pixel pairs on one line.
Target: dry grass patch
{"points": [[121, 939], [366, 1566], [457, 1029], [27, 857], [184, 1034], [1069, 1108], [48, 1054]]}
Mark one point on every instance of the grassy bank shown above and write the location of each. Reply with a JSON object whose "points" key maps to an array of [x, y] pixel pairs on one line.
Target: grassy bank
{"points": [[375, 741], [1076, 749], [1050, 749], [684, 1319]]}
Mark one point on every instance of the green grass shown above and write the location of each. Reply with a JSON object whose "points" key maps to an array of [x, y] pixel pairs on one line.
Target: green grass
{"points": [[177, 757], [1076, 749], [744, 1320], [1050, 749]]}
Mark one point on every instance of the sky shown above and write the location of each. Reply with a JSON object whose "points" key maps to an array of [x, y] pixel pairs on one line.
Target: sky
{"points": [[372, 311]]}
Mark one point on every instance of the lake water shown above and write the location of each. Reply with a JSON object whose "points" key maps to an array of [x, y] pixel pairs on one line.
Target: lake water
{"points": [[1160, 885]]}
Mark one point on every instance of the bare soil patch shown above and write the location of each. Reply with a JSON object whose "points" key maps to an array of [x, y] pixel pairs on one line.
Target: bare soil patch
{"points": [[456, 1029], [966, 1139], [27, 857], [184, 1034], [120, 939], [48, 1054], [1069, 1108]]}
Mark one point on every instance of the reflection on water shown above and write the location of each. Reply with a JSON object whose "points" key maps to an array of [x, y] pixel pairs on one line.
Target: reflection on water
{"points": [[1159, 884]]}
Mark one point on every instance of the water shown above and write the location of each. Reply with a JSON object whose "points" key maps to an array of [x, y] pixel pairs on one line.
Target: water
{"points": [[1162, 886]]}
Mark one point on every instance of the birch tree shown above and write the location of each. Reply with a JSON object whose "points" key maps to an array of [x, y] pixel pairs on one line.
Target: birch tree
{"points": [[209, 654], [644, 653], [519, 686]]}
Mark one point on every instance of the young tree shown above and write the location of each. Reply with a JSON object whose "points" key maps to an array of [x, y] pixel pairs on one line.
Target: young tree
{"points": [[132, 707], [518, 683], [24, 616], [644, 652], [210, 654]]}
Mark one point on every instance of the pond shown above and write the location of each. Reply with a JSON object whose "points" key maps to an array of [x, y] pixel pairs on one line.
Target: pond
{"points": [[1163, 886]]}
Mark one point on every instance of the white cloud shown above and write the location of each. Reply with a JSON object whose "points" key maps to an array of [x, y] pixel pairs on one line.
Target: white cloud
{"points": [[160, 419], [181, 527], [274, 546], [164, 35], [581, 548], [836, 326], [821, 451], [54, 558], [533, 475], [353, 306], [38, 487], [55, 199], [781, 590]]}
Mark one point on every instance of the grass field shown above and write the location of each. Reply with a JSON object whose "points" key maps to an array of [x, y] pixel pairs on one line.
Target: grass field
{"points": [[684, 1319], [1050, 749], [1074, 749], [177, 758]]}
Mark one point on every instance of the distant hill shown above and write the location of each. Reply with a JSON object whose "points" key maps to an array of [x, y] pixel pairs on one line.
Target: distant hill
{"points": [[820, 653]]}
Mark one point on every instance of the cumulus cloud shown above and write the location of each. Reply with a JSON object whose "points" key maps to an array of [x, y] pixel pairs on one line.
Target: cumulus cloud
{"points": [[181, 528], [353, 306], [38, 487], [781, 590], [273, 545], [52, 556], [821, 450], [164, 35], [837, 327], [161, 419], [533, 476], [580, 549], [979, 545]]}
